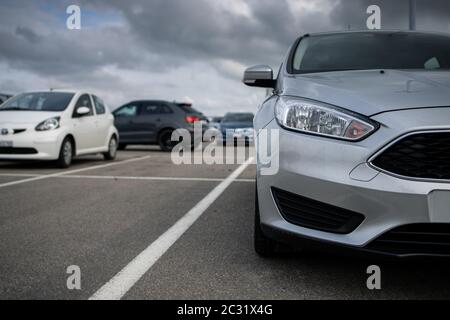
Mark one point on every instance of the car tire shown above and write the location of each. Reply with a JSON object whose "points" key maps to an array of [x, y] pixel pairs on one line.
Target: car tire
{"points": [[66, 153], [263, 245], [165, 140], [122, 146], [112, 150]]}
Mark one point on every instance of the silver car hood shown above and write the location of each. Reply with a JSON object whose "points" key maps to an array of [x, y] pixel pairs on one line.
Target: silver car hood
{"points": [[371, 92]]}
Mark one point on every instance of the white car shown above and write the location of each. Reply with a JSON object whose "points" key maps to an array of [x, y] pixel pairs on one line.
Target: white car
{"points": [[56, 125]]}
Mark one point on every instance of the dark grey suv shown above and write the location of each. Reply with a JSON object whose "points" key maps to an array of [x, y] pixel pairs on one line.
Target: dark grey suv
{"points": [[152, 122]]}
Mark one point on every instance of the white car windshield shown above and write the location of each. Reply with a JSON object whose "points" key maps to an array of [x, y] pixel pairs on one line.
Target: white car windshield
{"points": [[39, 101]]}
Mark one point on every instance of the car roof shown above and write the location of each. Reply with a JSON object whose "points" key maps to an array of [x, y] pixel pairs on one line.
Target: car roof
{"points": [[381, 31], [148, 100], [233, 113]]}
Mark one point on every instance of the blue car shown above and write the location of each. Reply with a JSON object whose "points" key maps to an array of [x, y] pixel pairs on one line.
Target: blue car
{"points": [[237, 127]]}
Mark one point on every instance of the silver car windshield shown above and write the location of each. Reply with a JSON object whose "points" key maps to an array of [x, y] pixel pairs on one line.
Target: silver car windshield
{"points": [[38, 101], [372, 50]]}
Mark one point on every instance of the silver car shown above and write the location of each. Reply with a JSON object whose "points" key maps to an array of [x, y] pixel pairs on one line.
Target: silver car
{"points": [[364, 144]]}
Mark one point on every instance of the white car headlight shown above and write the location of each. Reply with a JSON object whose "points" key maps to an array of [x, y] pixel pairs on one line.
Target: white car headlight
{"points": [[322, 119], [49, 124]]}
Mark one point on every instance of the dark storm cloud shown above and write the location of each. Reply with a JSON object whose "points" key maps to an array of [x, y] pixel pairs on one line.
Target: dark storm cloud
{"points": [[57, 54], [170, 33], [201, 29], [28, 34]]}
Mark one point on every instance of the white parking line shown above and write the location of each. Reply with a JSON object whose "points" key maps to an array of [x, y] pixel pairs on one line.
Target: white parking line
{"points": [[64, 173], [176, 179], [123, 281], [18, 175], [12, 175]]}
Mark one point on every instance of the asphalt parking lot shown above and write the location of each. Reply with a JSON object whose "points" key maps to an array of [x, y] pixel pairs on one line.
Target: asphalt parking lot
{"points": [[101, 216]]}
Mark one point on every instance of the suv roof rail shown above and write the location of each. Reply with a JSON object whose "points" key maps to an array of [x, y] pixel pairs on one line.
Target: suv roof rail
{"points": [[183, 104]]}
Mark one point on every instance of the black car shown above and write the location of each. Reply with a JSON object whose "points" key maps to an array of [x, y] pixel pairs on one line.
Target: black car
{"points": [[152, 122]]}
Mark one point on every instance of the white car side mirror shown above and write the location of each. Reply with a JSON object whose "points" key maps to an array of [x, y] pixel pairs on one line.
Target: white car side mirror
{"points": [[82, 111]]}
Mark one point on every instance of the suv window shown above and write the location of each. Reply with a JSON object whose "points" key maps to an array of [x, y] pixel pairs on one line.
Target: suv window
{"points": [[84, 101], [151, 108], [127, 111], [166, 109], [99, 105], [188, 109]]}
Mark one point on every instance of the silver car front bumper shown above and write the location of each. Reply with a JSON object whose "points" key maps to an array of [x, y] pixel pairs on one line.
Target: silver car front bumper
{"points": [[338, 173]]}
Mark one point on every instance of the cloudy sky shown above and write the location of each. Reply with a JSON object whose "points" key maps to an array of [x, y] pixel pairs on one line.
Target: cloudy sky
{"points": [[184, 50]]}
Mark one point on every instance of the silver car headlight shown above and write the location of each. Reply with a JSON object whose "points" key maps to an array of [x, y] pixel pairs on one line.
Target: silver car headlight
{"points": [[322, 119], [49, 124]]}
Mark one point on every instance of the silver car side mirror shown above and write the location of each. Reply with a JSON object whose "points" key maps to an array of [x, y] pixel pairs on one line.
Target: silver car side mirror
{"points": [[259, 76]]}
